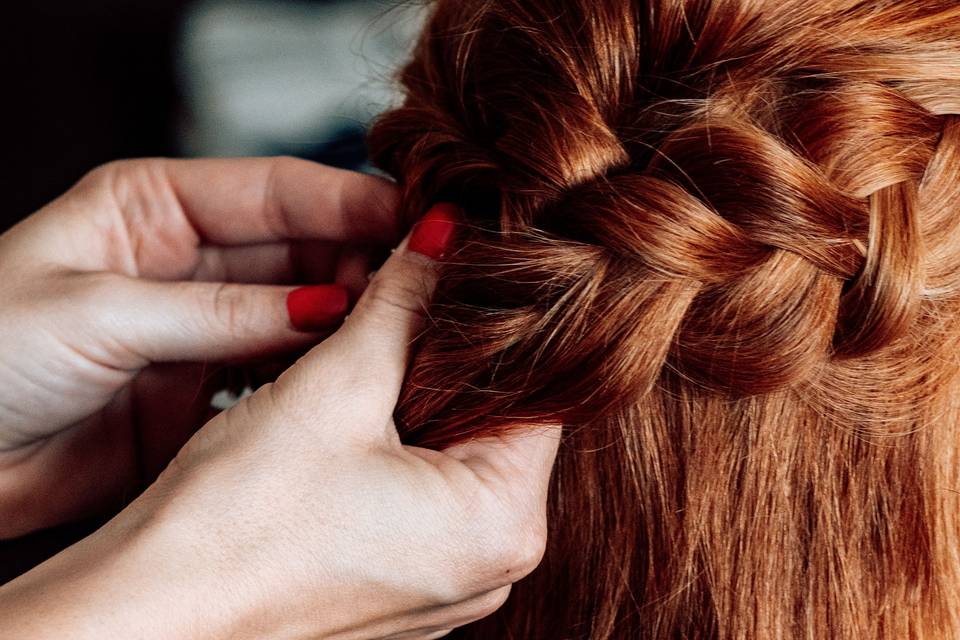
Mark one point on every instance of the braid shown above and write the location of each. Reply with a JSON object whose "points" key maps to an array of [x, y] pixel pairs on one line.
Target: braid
{"points": [[718, 241]]}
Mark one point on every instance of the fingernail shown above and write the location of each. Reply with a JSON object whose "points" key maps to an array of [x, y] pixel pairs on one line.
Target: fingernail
{"points": [[317, 307], [433, 233]]}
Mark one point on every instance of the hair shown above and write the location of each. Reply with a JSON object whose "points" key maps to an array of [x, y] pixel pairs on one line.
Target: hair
{"points": [[719, 241]]}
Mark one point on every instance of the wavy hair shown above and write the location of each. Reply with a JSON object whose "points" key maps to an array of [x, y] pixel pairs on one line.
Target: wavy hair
{"points": [[719, 241]]}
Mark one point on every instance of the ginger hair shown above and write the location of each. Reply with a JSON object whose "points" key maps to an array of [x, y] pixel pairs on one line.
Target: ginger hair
{"points": [[719, 241]]}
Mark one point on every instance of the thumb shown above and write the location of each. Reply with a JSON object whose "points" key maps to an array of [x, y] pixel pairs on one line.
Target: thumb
{"points": [[389, 315]]}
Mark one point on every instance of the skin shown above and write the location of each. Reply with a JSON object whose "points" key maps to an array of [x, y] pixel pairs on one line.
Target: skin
{"points": [[295, 514]]}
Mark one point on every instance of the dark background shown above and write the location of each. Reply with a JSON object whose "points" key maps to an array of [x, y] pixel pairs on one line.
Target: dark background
{"points": [[89, 81]]}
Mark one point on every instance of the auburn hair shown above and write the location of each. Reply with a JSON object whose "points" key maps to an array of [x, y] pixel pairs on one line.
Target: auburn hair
{"points": [[719, 241]]}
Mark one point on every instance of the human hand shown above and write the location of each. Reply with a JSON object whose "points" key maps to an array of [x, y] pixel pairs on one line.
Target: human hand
{"points": [[298, 513], [115, 296]]}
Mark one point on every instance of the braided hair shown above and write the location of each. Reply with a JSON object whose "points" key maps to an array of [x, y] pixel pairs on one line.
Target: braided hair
{"points": [[719, 241]]}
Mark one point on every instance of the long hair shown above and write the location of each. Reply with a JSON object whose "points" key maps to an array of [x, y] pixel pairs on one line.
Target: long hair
{"points": [[719, 241]]}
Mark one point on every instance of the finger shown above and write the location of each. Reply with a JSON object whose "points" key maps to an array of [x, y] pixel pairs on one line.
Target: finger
{"points": [[199, 321], [247, 200], [316, 260], [354, 265], [269, 263], [295, 262], [390, 314], [239, 201], [148, 217], [364, 362]]}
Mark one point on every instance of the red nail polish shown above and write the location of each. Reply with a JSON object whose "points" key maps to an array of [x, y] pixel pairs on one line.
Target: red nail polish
{"points": [[433, 233], [317, 307]]}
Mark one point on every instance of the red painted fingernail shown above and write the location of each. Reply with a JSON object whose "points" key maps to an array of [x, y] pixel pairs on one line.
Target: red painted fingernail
{"points": [[433, 233], [317, 307]]}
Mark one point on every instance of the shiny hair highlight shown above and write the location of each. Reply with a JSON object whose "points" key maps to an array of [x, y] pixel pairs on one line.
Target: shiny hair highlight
{"points": [[719, 241]]}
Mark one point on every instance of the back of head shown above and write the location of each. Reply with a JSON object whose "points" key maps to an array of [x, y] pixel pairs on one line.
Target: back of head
{"points": [[719, 240]]}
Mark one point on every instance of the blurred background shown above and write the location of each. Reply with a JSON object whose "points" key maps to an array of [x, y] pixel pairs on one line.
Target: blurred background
{"points": [[96, 80], [89, 81]]}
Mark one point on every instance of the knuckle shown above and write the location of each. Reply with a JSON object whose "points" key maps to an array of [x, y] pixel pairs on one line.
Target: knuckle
{"points": [[515, 550], [226, 308], [104, 171], [527, 552], [108, 172], [265, 401], [489, 603], [101, 178], [403, 293], [264, 408], [284, 161], [96, 291], [125, 181]]}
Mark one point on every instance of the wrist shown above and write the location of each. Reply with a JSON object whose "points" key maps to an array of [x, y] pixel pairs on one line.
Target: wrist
{"points": [[120, 582]]}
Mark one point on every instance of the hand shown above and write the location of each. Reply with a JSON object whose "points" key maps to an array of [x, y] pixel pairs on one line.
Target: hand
{"points": [[113, 290], [298, 513]]}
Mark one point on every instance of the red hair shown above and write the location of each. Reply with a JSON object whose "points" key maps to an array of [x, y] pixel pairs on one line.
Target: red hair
{"points": [[719, 241]]}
